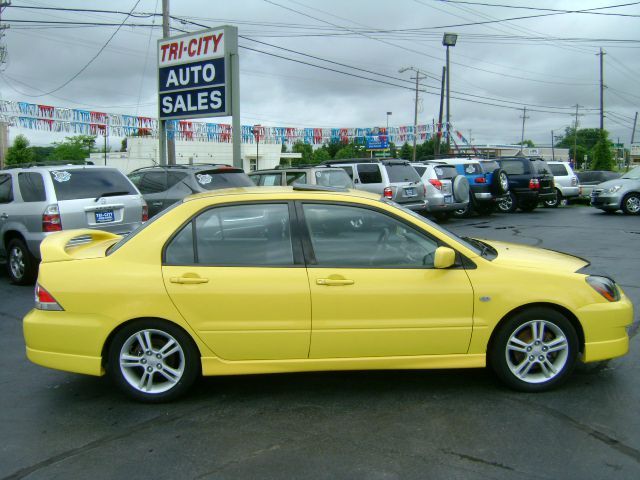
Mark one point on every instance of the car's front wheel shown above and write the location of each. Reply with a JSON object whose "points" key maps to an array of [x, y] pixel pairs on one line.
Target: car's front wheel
{"points": [[153, 360], [535, 350], [22, 266], [631, 204], [555, 202]]}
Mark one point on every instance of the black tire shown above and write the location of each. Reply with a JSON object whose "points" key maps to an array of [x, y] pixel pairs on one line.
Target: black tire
{"points": [[149, 362], [507, 205], [484, 209], [22, 266], [442, 217], [460, 187], [529, 358], [499, 182], [631, 204], [465, 212], [555, 203]]}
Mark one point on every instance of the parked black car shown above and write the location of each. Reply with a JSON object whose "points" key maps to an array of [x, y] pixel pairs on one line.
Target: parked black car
{"points": [[530, 182], [162, 186]]}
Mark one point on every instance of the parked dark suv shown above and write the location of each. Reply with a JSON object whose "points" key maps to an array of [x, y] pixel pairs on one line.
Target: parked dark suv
{"points": [[163, 186], [530, 182]]}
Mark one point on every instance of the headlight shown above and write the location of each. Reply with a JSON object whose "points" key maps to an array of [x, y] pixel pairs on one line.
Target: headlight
{"points": [[605, 287], [614, 189]]}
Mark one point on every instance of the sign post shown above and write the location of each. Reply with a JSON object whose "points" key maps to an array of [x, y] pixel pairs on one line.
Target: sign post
{"points": [[198, 77]]}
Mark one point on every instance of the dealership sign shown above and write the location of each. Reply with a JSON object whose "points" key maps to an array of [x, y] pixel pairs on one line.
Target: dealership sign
{"points": [[193, 74]]}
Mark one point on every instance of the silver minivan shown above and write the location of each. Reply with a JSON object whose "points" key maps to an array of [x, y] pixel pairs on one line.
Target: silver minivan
{"points": [[396, 180], [37, 201]]}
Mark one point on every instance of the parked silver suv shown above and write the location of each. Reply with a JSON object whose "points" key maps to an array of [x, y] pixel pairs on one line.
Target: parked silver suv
{"points": [[396, 180], [447, 191], [566, 182], [312, 175], [36, 201]]}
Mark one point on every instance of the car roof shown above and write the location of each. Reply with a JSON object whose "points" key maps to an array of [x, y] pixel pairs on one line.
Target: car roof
{"points": [[183, 166], [50, 168], [295, 169], [284, 192]]}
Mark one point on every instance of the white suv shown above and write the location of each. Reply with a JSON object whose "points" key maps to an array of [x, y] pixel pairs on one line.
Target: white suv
{"points": [[37, 201], [567, 184]]}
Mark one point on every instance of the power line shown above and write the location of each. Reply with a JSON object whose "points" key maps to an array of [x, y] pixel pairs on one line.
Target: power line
{"points": [[590, 11]]}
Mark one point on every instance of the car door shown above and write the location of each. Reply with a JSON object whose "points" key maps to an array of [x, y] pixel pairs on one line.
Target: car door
{"points": [[237, 276], [374, 289], [153, 187]]}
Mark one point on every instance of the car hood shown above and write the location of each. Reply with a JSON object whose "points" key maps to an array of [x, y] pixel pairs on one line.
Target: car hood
{"points": [[534, 257], [616, 181]]}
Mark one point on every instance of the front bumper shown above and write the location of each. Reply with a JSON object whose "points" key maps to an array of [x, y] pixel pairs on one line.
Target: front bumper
{"points": [[610, 202], [605, 329]]}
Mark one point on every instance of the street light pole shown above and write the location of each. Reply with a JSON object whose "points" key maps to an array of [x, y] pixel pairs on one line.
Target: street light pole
{"points": [[415, 114], [449, 40]]}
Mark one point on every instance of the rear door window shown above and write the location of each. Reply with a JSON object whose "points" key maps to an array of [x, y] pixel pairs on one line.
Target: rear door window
{"points": [[420, 170], [31, 187], [6, 190], [270, 179], [559, 170], [222, 178], [446, 172], [149, 182], [369, 173], [333, 178], [296, 177], [78, 183], [541, 167], [400, 172]]}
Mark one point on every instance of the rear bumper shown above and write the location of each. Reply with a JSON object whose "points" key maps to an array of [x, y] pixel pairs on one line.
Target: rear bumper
{"points": [[416, 206], [569, 192], [438, 204]]}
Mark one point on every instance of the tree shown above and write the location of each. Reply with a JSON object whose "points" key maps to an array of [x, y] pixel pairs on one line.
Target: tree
{"points": [[41, 154], [305, 149], [347, 151], [123, 145], [602, 158], [19, 152], [406, 152], [75, 148], [527, 143], [321, 154], [283, 149]]}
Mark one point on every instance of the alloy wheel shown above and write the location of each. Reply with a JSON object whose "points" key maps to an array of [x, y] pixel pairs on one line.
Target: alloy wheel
{"points": [[16, 262]]}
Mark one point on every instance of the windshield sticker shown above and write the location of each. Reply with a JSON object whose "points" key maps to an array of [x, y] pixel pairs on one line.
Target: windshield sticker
{"points": [[470, 169], [438, 171], [204, 179], [61, 176]]}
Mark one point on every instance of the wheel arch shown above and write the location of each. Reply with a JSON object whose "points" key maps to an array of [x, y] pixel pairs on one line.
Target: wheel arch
{"points": [[552, 306], [107, 343], [10, 235]]}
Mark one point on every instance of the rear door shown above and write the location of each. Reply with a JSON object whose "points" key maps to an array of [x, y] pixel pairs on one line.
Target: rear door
{"points": [[153, 186], [96, 198]]}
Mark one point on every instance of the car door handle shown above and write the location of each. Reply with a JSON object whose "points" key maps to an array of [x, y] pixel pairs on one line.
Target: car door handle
{"points": [[334, 282], [156, 204], [188, 280], [4, 216]]}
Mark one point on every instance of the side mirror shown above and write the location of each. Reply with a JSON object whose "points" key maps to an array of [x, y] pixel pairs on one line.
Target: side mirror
{"points": [[355, 180], [445, 257]]}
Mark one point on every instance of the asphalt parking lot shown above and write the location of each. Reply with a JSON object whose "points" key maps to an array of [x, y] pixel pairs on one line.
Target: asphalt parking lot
{"points": [[375, 425]]}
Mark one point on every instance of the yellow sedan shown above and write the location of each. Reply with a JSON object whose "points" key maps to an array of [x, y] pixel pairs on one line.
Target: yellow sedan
{"points": [[265, 280]]}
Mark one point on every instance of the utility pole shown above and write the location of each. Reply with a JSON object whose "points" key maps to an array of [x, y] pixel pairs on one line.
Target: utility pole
{"points": [[439, 135], [575, 139], [601, 54], [419, 76], [166, 132], [4, 126], [553, 148], [524, 117], [633, 136]]}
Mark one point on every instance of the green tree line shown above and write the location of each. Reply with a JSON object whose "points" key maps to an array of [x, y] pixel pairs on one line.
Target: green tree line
{"points": [[72, 149]]}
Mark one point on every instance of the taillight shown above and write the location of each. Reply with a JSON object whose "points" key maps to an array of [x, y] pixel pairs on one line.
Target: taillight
{"points": [[45, 301], [145, 213], [574, 181], [51, 221], [480, 180], [436, 183], [534, 184], [388, 193]]}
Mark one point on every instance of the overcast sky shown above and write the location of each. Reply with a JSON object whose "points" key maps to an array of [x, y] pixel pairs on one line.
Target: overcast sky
{"points": [[509, 63]]}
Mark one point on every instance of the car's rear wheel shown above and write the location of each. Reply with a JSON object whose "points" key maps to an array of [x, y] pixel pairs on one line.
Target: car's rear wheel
{"points": [[22, 266], [631, 204], [508, 204], [554, 203], [153, 360], [535, 350], [442, 217]]}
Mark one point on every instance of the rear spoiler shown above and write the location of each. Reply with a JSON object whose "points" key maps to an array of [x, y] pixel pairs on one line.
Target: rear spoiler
{"points": [[75, 244]]}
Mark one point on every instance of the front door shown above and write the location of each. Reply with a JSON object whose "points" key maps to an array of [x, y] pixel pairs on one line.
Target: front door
{"points": [[375, 291], [236, 275]]}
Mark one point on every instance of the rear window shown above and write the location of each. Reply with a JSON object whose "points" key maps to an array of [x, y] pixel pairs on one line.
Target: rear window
{"points": [[72, 184], [446, 171], [489, 165], [541, 167], [400, 172], [420, 170], [558, 170], [333, 178], [216, 179], [513, 167], [471, 168]]}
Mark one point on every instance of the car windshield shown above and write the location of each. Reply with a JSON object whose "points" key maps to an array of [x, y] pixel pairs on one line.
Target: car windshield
{"points": [[471, 245], [633, 174], [76, 183]]}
